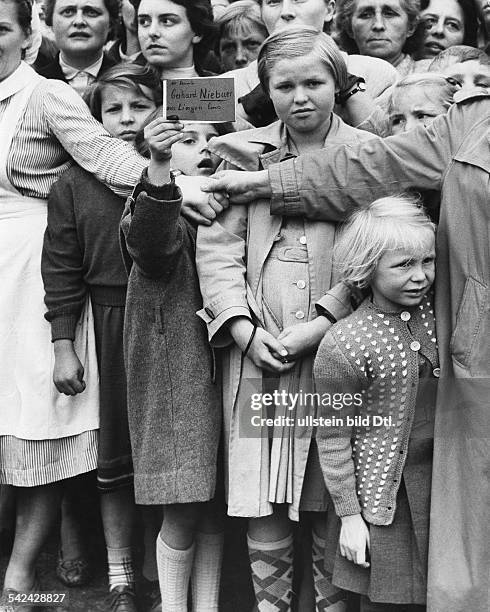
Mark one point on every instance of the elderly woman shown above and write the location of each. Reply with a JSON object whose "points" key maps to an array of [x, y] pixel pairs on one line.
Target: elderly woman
{"points": [[81, 29], [44, 437], [447, 23], [388, 29], [241, 32]]}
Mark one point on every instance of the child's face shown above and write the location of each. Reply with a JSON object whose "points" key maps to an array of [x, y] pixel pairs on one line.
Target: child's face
{"points": [[414, 105], [238, 47], [469, 74], [124, 111], [302, 90], [191, 155], [402, 278]]}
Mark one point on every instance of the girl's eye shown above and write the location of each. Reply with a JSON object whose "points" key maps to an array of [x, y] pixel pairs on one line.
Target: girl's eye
{"points": [[272, 2], [144, 21], [112, 109], [252, 45], [314, 83], [283, 87], [188, 141], [453, 26], [68, 12], [398, 120], [422, 116]]}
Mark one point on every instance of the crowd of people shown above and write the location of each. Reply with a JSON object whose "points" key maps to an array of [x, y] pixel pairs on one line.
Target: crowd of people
{"points": [[244, 319]]}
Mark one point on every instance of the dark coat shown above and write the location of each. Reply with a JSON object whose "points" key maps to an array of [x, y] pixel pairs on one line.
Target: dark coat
{"points": [[173, 405], [52, 70]]}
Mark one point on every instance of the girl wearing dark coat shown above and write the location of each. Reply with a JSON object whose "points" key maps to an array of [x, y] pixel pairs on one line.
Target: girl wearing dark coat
{"points": [[173, 403]]}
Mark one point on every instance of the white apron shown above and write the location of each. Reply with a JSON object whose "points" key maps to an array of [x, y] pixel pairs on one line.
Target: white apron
{"points": [[30, 406]]}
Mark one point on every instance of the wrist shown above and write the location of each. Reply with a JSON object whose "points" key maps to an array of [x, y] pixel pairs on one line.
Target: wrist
{"points": [[262, 184], [240, 330], [63, 345]]}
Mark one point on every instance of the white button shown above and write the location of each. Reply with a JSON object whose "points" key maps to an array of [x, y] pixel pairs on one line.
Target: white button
{"points": [[415, 346], [300, 314], [436, 372], [301, 284], [405, 316], [303, 239]]}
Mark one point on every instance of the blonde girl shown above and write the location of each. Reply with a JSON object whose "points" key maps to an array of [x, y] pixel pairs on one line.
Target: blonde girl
{"points": [[376, 454]]}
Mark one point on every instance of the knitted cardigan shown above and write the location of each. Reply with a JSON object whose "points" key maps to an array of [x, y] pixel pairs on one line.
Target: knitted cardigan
{"points": [[374, 354]]}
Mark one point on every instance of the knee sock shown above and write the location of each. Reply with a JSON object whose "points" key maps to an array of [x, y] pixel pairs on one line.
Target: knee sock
{"points": [[327, 596], [206, 571], [174, 570], [272, 573], [120, 564]]}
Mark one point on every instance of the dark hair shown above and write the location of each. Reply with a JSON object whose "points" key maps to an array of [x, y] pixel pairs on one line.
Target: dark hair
{"points": [[343, 22], [200, 16], [130, 76], [470, 14], [24, 14], [112, 7]]}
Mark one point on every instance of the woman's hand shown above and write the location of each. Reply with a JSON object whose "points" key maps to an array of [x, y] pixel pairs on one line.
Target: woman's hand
{"points": [[240, 187], [354, 539], [68, 371], [264, 346], [303, 338]]}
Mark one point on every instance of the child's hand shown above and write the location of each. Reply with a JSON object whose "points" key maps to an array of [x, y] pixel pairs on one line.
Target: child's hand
{"points": [[160, 135], [68, 371], [304, 338], [263, 348], [354, 539]]}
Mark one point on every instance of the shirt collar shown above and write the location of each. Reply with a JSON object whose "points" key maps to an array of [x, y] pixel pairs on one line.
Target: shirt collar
{"points": [[19, 78], [70, 72]]}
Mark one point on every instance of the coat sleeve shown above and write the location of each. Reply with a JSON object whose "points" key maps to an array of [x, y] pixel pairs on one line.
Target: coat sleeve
{"points": [[221, 265], [62, 264], [153, 232], [334, 181], [335, 378]]}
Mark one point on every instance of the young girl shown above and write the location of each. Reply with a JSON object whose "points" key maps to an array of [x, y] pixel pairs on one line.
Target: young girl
{"points": [[260, 277], [382, 362], [81, 258], [173, 404]]}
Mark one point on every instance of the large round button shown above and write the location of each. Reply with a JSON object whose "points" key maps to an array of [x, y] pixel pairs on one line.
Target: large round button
{"points": [[436, 372], [405, 316], [301, 284], [300, 314], [303, 239], [415, 345]]}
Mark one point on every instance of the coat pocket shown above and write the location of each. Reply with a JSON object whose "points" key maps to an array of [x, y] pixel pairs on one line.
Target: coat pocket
{"points": [[470, 323]]}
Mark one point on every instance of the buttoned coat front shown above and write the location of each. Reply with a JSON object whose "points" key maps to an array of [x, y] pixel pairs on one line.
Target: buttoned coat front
{"points": [[453, 156], [230, 255]]}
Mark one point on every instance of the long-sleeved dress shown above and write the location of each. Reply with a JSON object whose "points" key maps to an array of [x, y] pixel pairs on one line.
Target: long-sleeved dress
{"points": [[44, 436]]}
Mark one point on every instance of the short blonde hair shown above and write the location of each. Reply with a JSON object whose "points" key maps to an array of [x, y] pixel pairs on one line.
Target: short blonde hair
{"points": [[297, 42], [387, 224], [443, 88]]}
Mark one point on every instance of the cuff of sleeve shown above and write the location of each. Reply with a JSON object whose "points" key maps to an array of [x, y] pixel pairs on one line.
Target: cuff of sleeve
{"points": [[285, 194], [347, 505], [63, 327], [166, 192]]}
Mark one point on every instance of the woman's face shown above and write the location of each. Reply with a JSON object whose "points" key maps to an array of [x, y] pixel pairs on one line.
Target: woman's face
{"points": [[12, 39], [80, 27], [190, 155], [415, 105], [444, 23], [484, 10], [303, 93], [124, 111], [240, 46], [380, 28], [165, 34], [280, 14]]}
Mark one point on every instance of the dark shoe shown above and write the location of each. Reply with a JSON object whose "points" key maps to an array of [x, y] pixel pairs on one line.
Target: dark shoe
{"points": [[73, 572], [122, 599], [151, 597]]}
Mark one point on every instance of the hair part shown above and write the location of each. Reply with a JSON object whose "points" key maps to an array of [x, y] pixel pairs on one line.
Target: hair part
{"points": [[387, 224], [124, 76], [298, 42]]}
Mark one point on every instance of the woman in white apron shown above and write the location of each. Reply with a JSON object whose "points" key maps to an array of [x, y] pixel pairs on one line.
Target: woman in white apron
{"points": [[45, 437]]}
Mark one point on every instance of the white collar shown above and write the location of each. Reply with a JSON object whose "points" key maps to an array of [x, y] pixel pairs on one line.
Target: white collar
{"points": [[19, 78], [180, 73], [70, 72]]}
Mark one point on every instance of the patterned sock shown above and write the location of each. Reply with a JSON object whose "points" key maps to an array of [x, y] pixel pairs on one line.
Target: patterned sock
{"points": [[206, 571], [174, 571], [272, 573], [120, 564], [327, 596]]}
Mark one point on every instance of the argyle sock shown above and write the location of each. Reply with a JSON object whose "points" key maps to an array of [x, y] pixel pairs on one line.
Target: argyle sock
{"points": [[174, 571], [206, 571], [327, 596], [272, 573], [120, 564]]}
